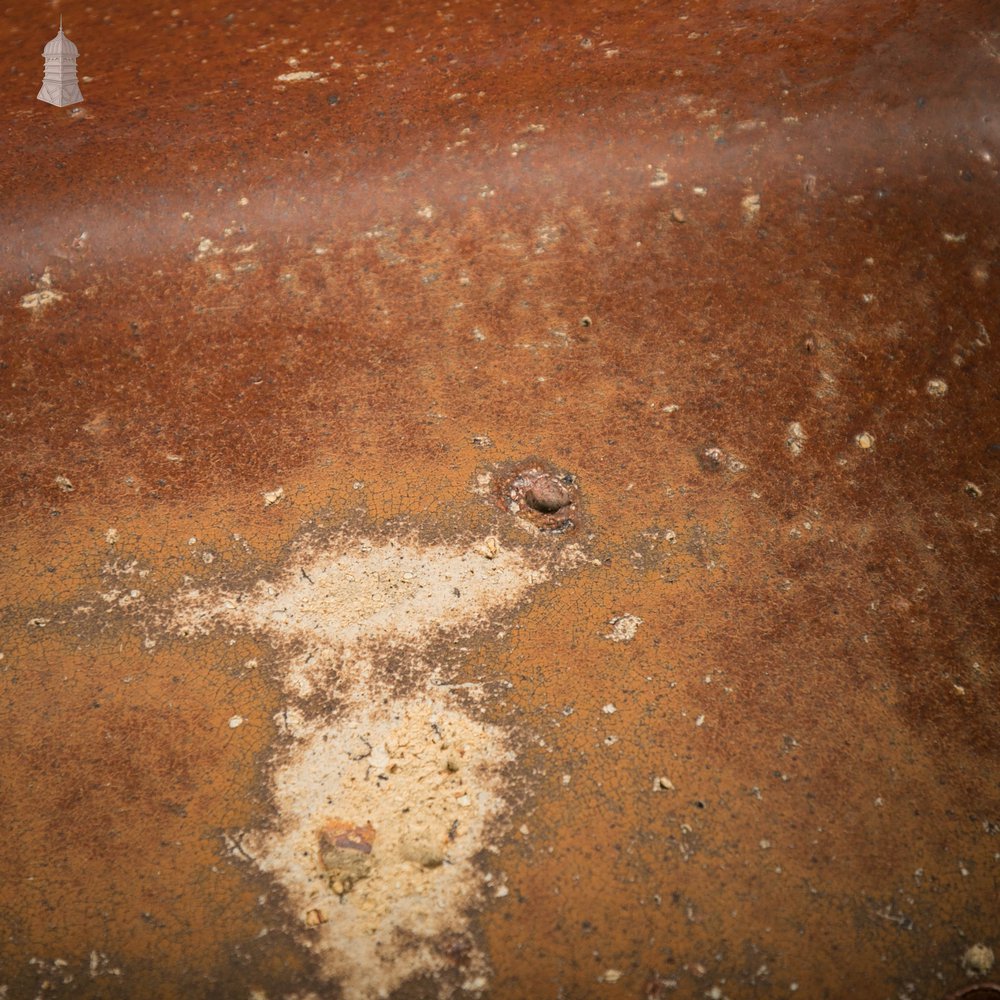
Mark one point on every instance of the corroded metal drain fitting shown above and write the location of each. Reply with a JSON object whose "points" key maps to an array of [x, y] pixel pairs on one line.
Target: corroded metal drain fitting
{"points": [[977, 991], [543, 496]]}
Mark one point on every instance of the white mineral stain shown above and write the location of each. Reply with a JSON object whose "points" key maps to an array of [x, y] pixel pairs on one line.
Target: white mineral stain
{"points": [[795, 438], [38, 300], [346, 599], [623, 628], [401, 773], [383, 807], [751, 207], [978, 959], [206, 247], [45, 294]]}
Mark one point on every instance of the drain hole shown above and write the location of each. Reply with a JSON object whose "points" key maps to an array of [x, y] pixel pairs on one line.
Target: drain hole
{"points": [[547, 495]]}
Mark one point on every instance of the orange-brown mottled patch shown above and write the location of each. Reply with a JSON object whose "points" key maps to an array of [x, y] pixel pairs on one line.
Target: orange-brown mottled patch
{"points": [[212, 288]]}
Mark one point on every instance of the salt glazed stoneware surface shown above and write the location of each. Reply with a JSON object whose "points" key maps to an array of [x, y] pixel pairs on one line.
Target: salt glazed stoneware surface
{"points": [[500, 500]]}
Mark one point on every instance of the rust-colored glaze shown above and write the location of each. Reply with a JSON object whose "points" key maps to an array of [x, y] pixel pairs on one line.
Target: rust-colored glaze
{"points": [[458, 246]]}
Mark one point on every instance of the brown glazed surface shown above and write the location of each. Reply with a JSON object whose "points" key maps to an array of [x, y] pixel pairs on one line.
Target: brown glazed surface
{"points": [[694, 255]]}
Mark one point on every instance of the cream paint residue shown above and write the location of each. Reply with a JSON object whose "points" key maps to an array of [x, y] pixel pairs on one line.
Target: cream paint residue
{"points": [[353, 596], [413, 784], [298, 76], [428, 781], [45, 294]]}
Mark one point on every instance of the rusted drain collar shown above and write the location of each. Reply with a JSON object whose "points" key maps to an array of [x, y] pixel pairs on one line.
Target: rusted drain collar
{"points": [[976, 991], [544, 496]]}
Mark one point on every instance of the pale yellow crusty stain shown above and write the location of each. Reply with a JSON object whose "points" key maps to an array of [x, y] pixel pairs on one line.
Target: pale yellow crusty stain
{"points": [[428, 779], [419, 770], [344, 599], [40, 299], [44, 295]]}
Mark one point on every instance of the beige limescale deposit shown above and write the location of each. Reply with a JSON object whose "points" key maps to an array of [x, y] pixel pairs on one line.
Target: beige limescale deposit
{"points": [[382, 807], [380, 816], [348, 598], [623, 628]]}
